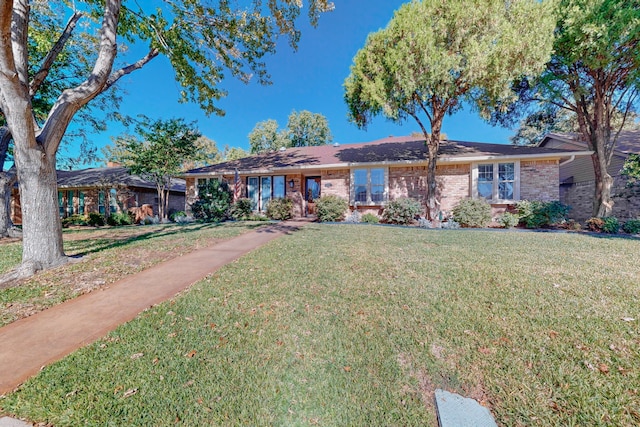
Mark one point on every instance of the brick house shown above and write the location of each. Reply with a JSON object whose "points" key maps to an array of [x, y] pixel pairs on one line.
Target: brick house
{"points": [[370, 174], [104, 190], [577, 179]]}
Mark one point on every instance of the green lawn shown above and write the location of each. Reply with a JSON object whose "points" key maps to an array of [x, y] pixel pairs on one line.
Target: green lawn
{"points": [[358, 325]]}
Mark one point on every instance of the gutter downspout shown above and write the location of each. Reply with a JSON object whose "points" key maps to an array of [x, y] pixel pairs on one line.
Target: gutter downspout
{"points": [[569, 160]]}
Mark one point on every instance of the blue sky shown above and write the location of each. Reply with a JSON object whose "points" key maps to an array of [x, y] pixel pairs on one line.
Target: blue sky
{"points": [[309, 79]]}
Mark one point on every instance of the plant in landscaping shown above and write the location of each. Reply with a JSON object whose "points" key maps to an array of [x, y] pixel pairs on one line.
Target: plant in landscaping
{"points": [[370, 218], [401, 211], [119, 218], [280, 209], [331, 208], [472, 213], [595, 224], [424, 223], [536, 214], [214, 201], [95, 219], [354, 217], [632, 226], [241, 209], [450, 225], [611, 225], [509, 220], [75, 219]]}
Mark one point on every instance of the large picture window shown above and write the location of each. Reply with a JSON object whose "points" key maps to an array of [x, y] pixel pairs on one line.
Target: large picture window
{"points": [[264, 188], [497, 181], [369, 186]]}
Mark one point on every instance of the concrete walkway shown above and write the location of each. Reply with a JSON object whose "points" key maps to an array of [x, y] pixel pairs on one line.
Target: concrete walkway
{"points": [[29, 344]]}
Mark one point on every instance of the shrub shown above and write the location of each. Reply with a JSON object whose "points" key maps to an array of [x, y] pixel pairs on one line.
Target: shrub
{"points": [[595, 224], [611, 225], [472, 213], [354, 217], [183, 219], [450, 225], [424, 223], [151, 220], [536, 214], [509, 220], [177, 214], [401, 211], [280, 209], [331, 208], [632, 226], [241, 209], [214, 201], [370, 218], [119, 218], [75, 219], [95, 219]]}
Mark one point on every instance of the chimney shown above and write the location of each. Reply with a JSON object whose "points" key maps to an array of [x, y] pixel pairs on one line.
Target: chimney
{"points": [[113, 164]]}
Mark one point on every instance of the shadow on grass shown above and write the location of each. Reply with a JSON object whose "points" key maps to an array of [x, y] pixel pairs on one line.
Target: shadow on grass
{"points": [[98, 245]]}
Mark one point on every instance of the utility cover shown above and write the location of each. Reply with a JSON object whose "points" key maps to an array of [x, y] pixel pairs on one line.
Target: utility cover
{"points": [[457, 411]]}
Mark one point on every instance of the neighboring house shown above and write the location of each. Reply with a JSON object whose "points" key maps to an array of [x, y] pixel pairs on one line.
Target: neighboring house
{"points": [[368, 175], [577, 179], [105, 190]]}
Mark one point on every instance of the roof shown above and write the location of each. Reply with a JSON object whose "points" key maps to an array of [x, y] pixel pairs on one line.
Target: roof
{"points": [[628, 141], [391, 150], [98, 177]]}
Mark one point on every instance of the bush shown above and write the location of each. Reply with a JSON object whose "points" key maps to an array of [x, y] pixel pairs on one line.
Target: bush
{"points": [[119, 218], [595, 224], [450, 225], [537, 214], [177, 214], [401, 211], [354, 217], [509, 220], [241, 210], [214, 201], [75, 219], [632, 226], [472, 213], [280, 209], [370, 218], [95, 219], [424, 223], [331, 208]]}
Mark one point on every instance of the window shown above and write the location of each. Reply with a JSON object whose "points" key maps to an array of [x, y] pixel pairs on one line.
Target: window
{"points": [[81, 202], [70, 195], [61, 204], [101, 206], [113, 200], [264, 188], [497, 181], [369, 186]]}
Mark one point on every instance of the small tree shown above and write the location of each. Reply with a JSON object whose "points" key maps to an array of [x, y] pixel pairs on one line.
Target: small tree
{"points": [[160, 153], [266, 137], [435, 54]]}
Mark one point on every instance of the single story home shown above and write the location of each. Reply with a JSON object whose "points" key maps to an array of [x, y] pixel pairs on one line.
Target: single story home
{"points": [[369, 175], [105, 190], [577, 179]]}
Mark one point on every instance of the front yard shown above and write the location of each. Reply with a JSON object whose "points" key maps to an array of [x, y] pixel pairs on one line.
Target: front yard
{"points": [[358, 325]]}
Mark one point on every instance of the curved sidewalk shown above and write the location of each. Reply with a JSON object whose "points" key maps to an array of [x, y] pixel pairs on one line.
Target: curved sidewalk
{"points": [[31, 343]]}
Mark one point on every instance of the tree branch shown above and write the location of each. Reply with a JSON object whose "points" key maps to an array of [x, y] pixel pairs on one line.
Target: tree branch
{"points": [[113, 78], [51, 57]]}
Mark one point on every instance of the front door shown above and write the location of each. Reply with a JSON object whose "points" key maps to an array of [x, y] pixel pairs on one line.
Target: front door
{"points": [[312, 193]]}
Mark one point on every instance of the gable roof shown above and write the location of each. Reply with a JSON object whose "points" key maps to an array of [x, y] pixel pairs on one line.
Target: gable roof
{"points": [[391, 150], [628, 141], [102, 177]]}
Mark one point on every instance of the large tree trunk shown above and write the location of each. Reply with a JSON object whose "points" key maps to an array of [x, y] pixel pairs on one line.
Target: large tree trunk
{"points": [[42, 245], [7, 179], [602, 200], [433, 146]]}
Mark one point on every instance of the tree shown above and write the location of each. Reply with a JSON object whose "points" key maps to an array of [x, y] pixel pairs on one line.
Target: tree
{"points": [[434, 55], [539, 123], [233, 153], [308, 129], [160, 153], [266, 137], [594, 73], [203, 42]]}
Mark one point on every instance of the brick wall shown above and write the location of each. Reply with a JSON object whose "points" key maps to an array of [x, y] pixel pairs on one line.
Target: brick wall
{"points": [[539, 180], [580, 196], [408, 182], [335, 182], [453, 185]]}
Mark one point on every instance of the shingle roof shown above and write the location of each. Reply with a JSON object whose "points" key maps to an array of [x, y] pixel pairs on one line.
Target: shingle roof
{"points": [[96, 177], [409, 149], [628, 140]]}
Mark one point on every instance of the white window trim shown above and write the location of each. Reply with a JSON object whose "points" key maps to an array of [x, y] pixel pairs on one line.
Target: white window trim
{"points": [[494, 199], [352, 195]]}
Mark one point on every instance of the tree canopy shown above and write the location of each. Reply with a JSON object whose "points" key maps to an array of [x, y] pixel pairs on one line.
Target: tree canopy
{"points": [[304, 129], [594, 74], [433, 56], [203, 41], [158, 153]]}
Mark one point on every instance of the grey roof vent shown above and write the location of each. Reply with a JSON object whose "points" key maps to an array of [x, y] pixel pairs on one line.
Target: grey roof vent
{"points": [[283, 148], [336, 144]]}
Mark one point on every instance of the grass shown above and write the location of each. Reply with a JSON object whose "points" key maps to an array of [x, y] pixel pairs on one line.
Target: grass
{"points": [[106, 255], [358, 325]]}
